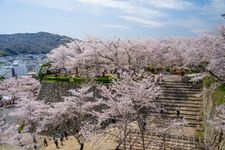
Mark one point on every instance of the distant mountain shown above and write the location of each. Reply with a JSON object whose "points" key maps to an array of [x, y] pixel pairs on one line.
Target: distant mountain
{"points": [[30, 43]]}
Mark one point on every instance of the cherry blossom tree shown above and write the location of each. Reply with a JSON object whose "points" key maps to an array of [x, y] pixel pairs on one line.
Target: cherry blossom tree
{"points": [[67, 56], [214, 45], [23, 87], [31, 112], [126, 101], [73, 115]]}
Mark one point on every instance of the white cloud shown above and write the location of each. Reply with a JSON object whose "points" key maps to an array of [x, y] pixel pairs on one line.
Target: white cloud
{"points": [[170, 4], [115, 26], [145, 13], [144, 22], [134, 12], [140, 14], [65, 5], [125, 6]]}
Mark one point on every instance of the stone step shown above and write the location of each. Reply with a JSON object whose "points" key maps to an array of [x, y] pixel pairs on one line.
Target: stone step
{"points": [[180, 95], [159, 142], [179, 82], [185, 115], [181, 91], [161, 139], [181, 88], [178, 102], [158, 145], [183, 110], [191, 122], [180, 98], [172, 116]]}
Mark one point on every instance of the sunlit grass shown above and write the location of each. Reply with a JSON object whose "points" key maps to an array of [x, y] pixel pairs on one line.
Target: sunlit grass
{"points": [[219, 95]]}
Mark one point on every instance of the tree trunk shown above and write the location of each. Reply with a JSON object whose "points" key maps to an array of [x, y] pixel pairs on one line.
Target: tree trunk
{"points": [[142, 131], [143, 139], [125, 137], [81, 146]]}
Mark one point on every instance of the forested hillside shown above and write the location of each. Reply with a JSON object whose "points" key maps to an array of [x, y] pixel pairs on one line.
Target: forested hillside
{"points": [[30, 43]]}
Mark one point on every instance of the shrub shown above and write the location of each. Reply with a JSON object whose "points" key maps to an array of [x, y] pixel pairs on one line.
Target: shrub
{"points": [[194, 69], [167, 69], [174, 70], [159, 69], [151, 69], [219, 95], [203, 65], [1, 78], [199, 134], [79, 80], [20, 128], [208, 81], [182, 72], [43, 67]]}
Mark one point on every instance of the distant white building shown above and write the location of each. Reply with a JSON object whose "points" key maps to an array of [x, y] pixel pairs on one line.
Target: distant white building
{"points": [[17, 62], [20, 69]]}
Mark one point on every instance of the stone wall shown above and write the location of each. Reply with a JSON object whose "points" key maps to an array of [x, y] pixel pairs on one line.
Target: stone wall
{"points": [[214, 139], [53, 92]]}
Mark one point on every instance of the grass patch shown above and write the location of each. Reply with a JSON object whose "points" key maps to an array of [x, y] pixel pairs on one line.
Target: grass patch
{"points": [[219, 95], [56, 78], [199, 134], [208, 81], [77, 80], [104, 80]]}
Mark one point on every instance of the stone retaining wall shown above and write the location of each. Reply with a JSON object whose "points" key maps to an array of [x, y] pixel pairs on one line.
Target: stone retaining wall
{"points": [[211, 135], [53, 92]]}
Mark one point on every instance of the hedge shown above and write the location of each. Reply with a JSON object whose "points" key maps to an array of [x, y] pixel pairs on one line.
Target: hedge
{"points": [[57, 78], [106, 79], [78, 80]]}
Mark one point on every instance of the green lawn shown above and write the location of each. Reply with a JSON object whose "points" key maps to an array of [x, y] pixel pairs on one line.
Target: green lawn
{"points": [[77, 80]]}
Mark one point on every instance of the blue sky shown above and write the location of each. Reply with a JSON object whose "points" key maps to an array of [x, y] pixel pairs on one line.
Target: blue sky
{"points": [[111, 18]]}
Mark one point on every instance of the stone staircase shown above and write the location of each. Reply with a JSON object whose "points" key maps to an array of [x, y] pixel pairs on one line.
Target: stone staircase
{"points": [[163, 142], [184, 96]]}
